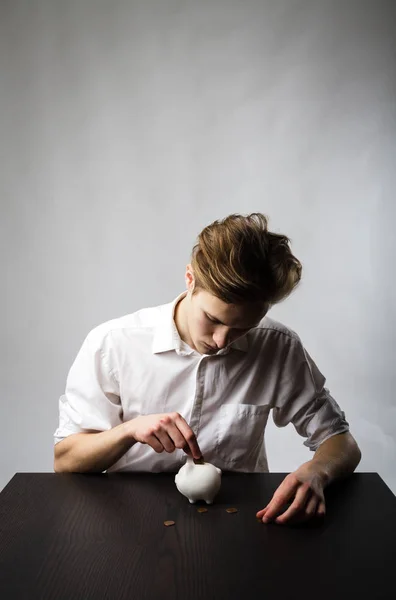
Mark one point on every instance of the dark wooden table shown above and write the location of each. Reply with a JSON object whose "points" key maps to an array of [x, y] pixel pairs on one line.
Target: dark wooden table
{"points": [[69, 536]]}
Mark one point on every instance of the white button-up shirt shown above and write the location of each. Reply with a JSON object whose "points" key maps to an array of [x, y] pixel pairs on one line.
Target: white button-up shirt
{"points": [[138, 365]]}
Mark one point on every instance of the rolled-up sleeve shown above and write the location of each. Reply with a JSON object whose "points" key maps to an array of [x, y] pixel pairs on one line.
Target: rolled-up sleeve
{"points": [[304, 400], [91, 401]]}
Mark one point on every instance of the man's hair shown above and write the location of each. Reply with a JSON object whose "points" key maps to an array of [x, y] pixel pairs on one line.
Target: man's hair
{"points": [[238, 260]]}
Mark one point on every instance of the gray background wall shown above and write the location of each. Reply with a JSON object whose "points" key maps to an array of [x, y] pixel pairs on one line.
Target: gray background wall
{"points": [[126, 127]]}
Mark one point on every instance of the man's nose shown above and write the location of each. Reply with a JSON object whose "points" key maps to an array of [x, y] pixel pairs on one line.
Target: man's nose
{"points": [[220, 337]]}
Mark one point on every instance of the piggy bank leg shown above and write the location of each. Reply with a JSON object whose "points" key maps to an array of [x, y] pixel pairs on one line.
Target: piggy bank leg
{"points": [[209, 501], [191, 501]]}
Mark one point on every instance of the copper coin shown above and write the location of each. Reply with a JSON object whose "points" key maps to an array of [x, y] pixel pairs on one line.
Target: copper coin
{"points": [[231, 510], [202, 509], [169, 523]]}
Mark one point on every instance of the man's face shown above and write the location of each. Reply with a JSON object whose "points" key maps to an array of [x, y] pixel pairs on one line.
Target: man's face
{"points": [[214, 324]]}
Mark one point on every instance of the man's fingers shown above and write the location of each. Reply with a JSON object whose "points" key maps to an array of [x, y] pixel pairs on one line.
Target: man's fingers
{"points": [[312, 507], [306, 506], [154, 442], [301, 515], [166, 431], [311, 512], [177, 438], [321, 509], [189, 436], [166, 441], [303, 495], [275, 508], [283, 494]]}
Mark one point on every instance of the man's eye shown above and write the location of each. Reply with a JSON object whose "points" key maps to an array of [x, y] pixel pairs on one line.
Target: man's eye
{"points": [[211, 320]]}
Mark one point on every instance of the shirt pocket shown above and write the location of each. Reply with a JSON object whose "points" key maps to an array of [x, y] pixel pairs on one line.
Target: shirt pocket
{"points": [[240, 430]]}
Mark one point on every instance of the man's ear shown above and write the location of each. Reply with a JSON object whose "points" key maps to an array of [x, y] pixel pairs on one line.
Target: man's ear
{"points": [[189, 278]]}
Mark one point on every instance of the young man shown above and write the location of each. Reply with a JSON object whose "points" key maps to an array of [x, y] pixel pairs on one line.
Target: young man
{"points": [[200, 375]]}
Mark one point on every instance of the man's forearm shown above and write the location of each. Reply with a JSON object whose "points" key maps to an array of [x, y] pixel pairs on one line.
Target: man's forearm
{"points": [[337, 457], [92, 452]]}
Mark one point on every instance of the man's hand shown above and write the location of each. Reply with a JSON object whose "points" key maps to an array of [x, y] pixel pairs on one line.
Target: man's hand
{"points": [[337, 457], [304, 490], [166, 431]]}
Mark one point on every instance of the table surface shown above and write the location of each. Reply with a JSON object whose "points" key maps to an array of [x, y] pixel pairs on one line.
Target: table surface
{"points": [[73, 536]]}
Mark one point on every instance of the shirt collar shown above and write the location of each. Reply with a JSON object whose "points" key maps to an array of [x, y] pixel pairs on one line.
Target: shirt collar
{"points": [[166, 335]]}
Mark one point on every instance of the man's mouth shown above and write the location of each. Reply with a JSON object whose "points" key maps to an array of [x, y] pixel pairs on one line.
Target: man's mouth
{"points": [[211, 348]]}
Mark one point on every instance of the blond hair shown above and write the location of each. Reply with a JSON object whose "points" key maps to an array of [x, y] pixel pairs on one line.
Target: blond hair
{"points": [[238, 260]]}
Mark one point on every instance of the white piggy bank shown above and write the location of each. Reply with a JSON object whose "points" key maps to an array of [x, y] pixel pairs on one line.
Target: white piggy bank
{"points": [[198, 481]]}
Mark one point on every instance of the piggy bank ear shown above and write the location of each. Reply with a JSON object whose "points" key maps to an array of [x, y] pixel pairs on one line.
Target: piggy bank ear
{"points": [[218, 470]]}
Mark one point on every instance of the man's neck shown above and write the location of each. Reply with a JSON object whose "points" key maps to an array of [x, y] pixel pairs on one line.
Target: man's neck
{"points": [[180, 319]]}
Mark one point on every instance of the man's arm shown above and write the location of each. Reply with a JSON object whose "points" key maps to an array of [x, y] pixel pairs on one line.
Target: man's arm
{"points": [[97, 451], [92, 452], [335, 458]]}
